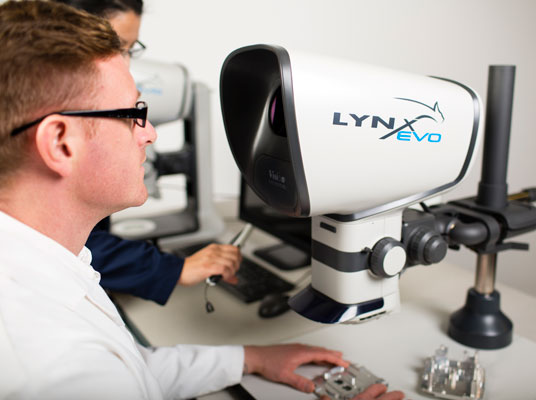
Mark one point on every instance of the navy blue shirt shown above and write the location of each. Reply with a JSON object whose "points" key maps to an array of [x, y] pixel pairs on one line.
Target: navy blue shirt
{"points": [[134, 267]]}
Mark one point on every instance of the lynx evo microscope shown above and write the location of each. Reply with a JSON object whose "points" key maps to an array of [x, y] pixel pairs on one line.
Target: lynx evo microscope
{"points": [[354, 146]]}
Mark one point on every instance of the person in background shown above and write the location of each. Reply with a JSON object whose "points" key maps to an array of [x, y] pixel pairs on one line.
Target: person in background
{"points": [[134, 266]]}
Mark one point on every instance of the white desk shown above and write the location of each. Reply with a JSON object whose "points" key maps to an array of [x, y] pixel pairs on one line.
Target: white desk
{"points": [[392, 347], [395, 348]]}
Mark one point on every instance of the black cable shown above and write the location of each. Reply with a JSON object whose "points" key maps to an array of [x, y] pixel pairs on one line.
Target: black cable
{"points": [[424, 207], [208, 305]]}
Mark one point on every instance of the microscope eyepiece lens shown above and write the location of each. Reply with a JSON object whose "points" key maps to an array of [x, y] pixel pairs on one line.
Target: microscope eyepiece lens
{"points": [[277, 115]]}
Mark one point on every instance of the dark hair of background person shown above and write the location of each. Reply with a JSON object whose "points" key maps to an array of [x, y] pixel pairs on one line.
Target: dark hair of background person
{"points": [[105, 8]]}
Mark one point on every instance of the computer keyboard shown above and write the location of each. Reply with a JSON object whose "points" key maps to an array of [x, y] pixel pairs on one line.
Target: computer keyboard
{"points": [[254, 280]]}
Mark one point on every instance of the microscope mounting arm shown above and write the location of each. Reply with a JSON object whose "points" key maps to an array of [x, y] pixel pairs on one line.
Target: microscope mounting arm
{"points": [[483, 224]]}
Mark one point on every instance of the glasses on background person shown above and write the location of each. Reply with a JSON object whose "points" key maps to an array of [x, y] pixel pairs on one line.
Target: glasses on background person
{"points": [[136, 50]]}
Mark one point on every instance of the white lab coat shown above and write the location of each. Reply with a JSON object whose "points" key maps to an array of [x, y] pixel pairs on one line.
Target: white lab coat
{"points": [[62, 338]]}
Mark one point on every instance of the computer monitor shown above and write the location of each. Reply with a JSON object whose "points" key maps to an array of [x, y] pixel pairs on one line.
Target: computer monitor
{"points": [[295, 233]]}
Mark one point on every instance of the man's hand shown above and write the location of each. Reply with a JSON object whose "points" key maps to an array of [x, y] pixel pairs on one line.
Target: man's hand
{"points": [[278, 363], [215, 259]]}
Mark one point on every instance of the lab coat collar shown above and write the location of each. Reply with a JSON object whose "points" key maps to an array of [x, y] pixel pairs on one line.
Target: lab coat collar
{"points": [[45, 266]]}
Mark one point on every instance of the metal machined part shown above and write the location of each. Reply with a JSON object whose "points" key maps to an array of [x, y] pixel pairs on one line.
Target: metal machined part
{"points": [[341, 383], [450, 379]]}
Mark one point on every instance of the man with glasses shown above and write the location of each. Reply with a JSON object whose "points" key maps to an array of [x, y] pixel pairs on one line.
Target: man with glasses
{"points": [[72, 147], [139, 267]]}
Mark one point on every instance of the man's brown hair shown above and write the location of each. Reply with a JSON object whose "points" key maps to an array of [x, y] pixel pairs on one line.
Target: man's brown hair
{"points": [[47, 63]]}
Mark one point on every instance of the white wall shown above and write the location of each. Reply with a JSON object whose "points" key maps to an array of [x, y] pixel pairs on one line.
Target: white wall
{"points": [[453, 39]]}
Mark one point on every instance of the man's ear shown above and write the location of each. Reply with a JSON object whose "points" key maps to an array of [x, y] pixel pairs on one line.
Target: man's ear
{"points": [[56, 140]]}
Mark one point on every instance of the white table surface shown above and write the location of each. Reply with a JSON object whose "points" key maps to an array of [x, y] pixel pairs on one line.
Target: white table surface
{"points": [[392, 347]]}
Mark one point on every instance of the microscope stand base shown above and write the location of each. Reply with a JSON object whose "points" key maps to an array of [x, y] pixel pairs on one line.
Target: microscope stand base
{"points": [[480, 323]]}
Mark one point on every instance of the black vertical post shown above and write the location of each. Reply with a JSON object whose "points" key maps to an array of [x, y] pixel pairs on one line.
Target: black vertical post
{"points": [[493, 189], [480, 322]]}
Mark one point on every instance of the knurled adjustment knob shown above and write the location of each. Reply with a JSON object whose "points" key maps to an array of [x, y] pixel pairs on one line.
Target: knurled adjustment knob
{"points": [[427, 246], [388, 257]]}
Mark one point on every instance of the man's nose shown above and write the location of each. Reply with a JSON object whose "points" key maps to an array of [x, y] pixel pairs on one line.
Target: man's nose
{"points": [[147, 134]]}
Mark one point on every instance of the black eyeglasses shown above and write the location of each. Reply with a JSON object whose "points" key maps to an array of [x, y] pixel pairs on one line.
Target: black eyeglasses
{"points": [[138, 114], [136, 50]]}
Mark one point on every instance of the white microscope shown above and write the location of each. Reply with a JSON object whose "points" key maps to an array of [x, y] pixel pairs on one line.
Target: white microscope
{"points": [[173, 96], [351, 145]]}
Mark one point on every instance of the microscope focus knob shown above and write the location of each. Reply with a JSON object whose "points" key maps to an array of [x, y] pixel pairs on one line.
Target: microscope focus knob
{"points": [[388, 257], [427, 246]]}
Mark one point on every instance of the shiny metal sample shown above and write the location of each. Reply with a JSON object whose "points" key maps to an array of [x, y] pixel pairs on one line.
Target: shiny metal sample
{"points": [[450, 379], [341, 383]]}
